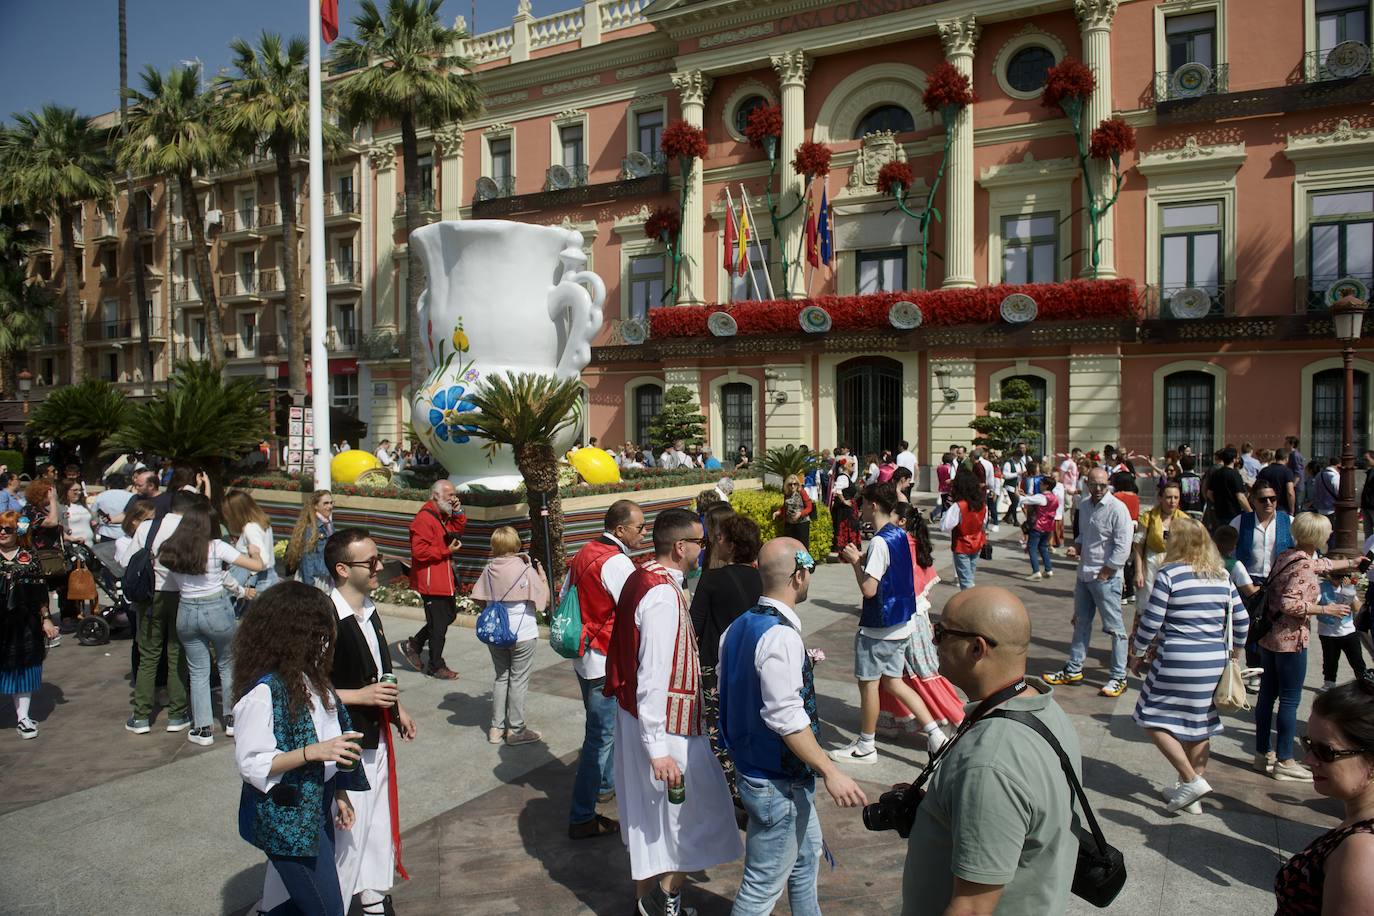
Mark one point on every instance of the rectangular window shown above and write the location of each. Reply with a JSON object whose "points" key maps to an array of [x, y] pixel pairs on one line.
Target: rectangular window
{"points": [[348, 326], [1189, 402], [648, 131], [107, 221], [1190, 252], [109, 262], [49, 373], [111, 367], [1340, 240], [570, 138], [737, 417], [248, 211], [344, 391], [1030, 248], [198, 336], [648, 281], [648, 402], [425, 166], [1328, 413], [1341, 20], [248, 334], [145, 210], [499, 148], [743, 289], [1192, 39], [247, 268], [882, 271]]}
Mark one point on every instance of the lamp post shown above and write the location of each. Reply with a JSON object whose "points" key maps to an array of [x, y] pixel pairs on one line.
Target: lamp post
{"points": [[25, 378], [1347, 315]]}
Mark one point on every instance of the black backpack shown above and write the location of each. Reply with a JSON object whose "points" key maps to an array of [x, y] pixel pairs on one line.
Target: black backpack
{"points": [[139, 581]]}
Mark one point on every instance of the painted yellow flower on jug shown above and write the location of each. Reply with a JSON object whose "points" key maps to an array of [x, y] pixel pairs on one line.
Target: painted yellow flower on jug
{"points": [[460, 339]]}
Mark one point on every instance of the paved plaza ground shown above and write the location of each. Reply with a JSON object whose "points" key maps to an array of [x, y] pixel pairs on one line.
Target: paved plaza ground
{"points": [[97, 820]]}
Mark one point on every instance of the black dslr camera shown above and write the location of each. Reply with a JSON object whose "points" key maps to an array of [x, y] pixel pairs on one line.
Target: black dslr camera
{"points": [[895, 809]]}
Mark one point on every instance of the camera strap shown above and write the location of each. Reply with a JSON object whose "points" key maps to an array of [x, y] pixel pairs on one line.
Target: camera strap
{"points": [[979, 712]]}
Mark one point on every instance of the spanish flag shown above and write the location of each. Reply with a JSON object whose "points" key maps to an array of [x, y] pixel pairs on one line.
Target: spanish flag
{"points": [[731, 241], [329, 19], [742, 256], [813, 238]]}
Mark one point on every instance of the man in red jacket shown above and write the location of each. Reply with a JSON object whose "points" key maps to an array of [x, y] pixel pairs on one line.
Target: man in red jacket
{"points": [[433, 544]]}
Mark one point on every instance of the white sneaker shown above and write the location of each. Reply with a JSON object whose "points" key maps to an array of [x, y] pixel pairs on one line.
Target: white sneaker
{"points": [[1187, 794], [1291, 771], [935, 740], [27, 728], [1049, 574], [1033, 577], [1327, 685], [851, 753], [1168, 792]]}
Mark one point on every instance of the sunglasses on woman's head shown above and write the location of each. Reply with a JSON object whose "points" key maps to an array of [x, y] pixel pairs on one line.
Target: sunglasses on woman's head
{"points": [[1326, 753]]}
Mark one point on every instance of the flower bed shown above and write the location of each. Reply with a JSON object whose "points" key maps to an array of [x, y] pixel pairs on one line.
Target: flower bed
{"points": [[1073, 300]]}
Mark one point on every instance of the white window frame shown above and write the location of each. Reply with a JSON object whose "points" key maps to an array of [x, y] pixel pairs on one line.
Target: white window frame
{"points": [[1342, 160], [1056, 234], [1029, 36], [243, 349], [1309, 25], [1171, 8], [650, 103], [632, 406], [571, 118], [746, 90], [497, 132], [629, 279], [716, 421], [633, 244], [1024, 189]]}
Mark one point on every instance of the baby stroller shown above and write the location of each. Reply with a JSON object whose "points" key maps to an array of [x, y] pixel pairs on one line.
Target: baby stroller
{"points": [[109, 615]]}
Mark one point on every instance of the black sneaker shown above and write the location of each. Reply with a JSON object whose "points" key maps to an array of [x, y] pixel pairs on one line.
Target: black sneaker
{"points": [[659, 903], [229, 725], [203, 736]]}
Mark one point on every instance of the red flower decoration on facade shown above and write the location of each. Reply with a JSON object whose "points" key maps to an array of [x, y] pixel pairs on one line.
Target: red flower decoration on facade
{"points": [[893, 174], [663, 225], [1111, 138], [1068, 79], [764, 122], [946, 87], [681, 139], [812, 160]]}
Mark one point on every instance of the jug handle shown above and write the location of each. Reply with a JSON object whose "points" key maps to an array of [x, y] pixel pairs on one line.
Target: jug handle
{"points": [[584, 317]]}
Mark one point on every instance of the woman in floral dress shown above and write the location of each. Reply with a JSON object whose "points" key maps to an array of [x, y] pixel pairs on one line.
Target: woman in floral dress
{"points": [[24, 624]]}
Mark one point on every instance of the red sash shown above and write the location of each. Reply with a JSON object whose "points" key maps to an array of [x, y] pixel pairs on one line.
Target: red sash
{"points": [[392, 791]]}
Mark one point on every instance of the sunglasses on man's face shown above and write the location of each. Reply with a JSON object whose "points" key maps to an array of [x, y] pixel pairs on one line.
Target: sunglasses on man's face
{"points": [[373, 563], [940, 631], [700, 542], [1266, 499], [1326, 753]]}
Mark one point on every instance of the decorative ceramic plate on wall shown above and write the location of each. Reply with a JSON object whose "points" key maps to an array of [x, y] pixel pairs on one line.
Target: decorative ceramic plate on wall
{"points": [[722, 324], [814, 319], [1018, 308], [634, 332], [904, 315], [1190, 302]]}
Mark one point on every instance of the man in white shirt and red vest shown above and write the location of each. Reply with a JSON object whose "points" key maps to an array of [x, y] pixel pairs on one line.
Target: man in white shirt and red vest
{"points": [[598, 572], [661, 753], [768, 721]]}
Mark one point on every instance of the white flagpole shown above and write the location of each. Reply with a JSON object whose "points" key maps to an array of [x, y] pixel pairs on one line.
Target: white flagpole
{"points": [[319, 358], [799, 264], [744, 195], [730, 202]]}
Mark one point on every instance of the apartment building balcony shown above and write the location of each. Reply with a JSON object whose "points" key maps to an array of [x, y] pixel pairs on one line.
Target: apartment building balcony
{"points": [[342, 208], [240, 225], [181, 233], [240, 289], [343, 276], [270, 216], [54, 337], [1314, 294], [272, 283], [1348, 60], [185, 291], [644, 176], [341, 340], [1180, 303], [106, 232], [429, 207]]}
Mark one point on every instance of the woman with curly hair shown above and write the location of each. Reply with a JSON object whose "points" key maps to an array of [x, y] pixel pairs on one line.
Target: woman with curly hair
{"points": [[305, 551], [24, 623], [295, 747]]}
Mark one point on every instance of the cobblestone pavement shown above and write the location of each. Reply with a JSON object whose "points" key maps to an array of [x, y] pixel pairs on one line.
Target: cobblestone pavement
{"points": [[102, 821]]}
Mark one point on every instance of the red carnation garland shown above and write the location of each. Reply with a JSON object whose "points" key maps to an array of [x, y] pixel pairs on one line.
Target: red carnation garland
{"points": [[812, 160], [765, 122], [681, 140], [1068, 81], [663, 225], [1110, 139], [946, 87], [895, 178]]}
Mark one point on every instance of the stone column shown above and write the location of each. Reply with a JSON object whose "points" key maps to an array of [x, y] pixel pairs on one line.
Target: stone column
{"points": [[1095, 21], [792, 68], [959, 37], [692, 87], [591, 22], [383, 159], [450, 140], [520, 33]]}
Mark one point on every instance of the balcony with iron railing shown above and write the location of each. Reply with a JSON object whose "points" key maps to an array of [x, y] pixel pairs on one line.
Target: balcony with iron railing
{"points": [[185, 291], [342, 339], [240, 287], [1177, 303], [270, 216], [110, 330], [1347, 60], [1316, 293], [428, 203], [565, 177], [1190, 81], [380, 345], [641, 176], [240, 224], [342, 207], [272, 283], [343, 274], [105, 229]]}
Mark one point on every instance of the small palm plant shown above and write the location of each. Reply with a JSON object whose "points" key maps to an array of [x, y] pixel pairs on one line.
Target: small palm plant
{"points": [[525, 411], [85, 415], [786, 461]]}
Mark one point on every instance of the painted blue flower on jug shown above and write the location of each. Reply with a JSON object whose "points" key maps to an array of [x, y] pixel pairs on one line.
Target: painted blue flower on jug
{"points": [[446, 407]]}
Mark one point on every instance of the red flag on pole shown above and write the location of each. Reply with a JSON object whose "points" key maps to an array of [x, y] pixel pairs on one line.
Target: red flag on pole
{"points": [[813, 238], [731, 241], [329, 20]]}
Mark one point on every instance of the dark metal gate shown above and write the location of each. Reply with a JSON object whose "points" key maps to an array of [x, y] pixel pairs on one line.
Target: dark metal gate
{"points": [[868, 404], [737, 419]]}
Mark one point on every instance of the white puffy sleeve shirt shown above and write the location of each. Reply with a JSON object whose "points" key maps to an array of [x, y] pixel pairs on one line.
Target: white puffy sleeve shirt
{"points": [[255, 744]]}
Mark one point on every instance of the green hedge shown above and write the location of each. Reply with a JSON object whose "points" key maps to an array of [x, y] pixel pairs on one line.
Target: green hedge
{"points": [[759, 505], [12, 460]]}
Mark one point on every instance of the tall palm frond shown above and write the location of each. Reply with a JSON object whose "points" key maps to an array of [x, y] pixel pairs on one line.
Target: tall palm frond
{"points": [[86, 415]]}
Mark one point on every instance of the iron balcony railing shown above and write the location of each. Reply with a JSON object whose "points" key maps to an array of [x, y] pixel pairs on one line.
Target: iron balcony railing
{"points": [[118, 329], [425, 198], [343, 273], [1189, 82], [1159, 301], [185, 291], [239, 285], [578, 174], [1348, 60], [341, 204], [505, 187], [1311, 292]]}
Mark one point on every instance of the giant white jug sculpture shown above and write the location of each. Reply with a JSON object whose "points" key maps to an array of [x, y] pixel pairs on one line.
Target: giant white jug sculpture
{"points": [[502, 297]]}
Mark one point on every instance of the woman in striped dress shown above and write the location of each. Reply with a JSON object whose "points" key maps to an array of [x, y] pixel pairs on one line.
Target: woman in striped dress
{"points": [[1189, 608]]}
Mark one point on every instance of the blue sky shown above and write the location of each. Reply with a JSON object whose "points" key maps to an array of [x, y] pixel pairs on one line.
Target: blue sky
{"points": [[67, 51]]}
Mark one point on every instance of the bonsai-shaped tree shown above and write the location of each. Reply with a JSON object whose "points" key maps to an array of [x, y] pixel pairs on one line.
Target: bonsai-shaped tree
{"points": [[686, 144], [83, 415], [677, 419], [1068, 86], [787, 461], [525, 411], [665, 225], [1014, 412], [949, 92]]}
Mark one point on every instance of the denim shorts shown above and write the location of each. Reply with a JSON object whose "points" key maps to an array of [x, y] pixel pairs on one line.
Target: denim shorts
{"points": [[876, 658]]}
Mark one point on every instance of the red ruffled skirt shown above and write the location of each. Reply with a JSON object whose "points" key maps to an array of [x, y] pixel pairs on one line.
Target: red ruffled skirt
{"points": [[936, 692]]}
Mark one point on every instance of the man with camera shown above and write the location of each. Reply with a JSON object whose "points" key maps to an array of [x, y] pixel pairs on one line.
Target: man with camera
{"points": [[993, 830], [434, 542], [768, 721]]}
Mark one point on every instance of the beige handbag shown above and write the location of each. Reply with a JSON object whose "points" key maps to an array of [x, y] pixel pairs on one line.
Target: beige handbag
{"points": [[1230, 695]]}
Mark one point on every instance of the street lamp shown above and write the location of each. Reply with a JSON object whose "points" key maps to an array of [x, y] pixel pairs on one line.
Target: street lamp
{"points": [[1347, 315], [25, 386]]}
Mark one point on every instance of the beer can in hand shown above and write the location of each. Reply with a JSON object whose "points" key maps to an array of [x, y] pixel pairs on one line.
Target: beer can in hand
{"points": [[677, 794], [387, 678], [350, 766]]}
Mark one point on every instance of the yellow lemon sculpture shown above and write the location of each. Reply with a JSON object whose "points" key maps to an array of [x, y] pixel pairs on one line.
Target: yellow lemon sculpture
{"points": [[347, 466], [595, 465]]}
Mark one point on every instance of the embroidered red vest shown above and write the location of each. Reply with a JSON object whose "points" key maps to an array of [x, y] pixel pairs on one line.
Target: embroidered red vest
{"points": [[622, 658], [595, 602]]}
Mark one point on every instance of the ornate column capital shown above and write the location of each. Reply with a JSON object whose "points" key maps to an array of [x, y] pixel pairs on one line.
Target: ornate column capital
{"points": [[450, 139], [383, 157], [960, 35], [792, 67], [692, 86], [1095, 14]]}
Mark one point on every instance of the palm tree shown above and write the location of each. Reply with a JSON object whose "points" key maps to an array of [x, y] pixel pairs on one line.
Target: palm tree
{"points": [[83, 415], [49, 163], [23, 304], [266, 102], [145, 311], [525, 411], [406, 71], [170, 131]]}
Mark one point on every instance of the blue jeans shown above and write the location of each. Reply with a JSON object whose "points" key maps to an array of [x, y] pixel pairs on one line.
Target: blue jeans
{"points": [[594, 769], [1103, 598], [782, 848], [202, 624], [312, 881], [1282, 680], [1038, 545], [964, 566]]}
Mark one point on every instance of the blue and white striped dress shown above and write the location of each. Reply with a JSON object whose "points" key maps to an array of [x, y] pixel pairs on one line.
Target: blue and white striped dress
{"points": [[1188, 614]]}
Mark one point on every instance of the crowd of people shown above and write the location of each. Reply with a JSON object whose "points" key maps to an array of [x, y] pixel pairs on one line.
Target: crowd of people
{"points": [[698, 690]]}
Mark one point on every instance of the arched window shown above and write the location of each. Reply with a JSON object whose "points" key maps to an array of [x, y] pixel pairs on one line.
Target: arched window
{"points": [[1190, 411], [1328, 413], [648, 402], [868, 403], [1037, 436], [737, 418], [745, 108], [885, 117]]}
